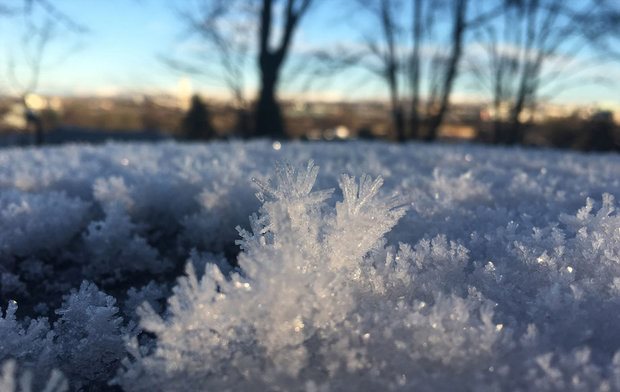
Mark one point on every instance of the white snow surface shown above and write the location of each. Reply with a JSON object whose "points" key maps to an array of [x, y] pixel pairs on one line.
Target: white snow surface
{"points": [[309, 267]]}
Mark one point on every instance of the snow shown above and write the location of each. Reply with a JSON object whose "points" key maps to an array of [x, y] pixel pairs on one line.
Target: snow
{"points": [[308, 266]]}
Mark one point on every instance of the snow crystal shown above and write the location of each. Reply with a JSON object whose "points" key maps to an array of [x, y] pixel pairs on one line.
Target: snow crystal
{"points": [[393, 267], [88, 340], [10, 382]]}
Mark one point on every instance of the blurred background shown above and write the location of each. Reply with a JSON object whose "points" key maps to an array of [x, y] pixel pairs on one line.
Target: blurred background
{"points": [[531, 72]]}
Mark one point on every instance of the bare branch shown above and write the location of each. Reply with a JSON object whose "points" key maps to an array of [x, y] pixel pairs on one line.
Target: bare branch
{"points": [[58, 15]]}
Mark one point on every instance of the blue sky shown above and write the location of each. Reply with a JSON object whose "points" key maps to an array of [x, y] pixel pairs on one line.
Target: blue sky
{"points": [[119, 54]]}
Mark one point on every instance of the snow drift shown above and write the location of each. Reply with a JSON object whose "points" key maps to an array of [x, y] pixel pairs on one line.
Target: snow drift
{"points": [[393, 267]]}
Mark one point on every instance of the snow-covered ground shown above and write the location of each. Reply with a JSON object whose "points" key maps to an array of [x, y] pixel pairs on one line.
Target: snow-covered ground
{"points": [[445, 268]]}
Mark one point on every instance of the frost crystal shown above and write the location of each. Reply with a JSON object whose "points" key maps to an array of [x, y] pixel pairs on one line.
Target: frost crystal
{"points": [[277, 320], [88, 343], [503, 273], [10, 382]]}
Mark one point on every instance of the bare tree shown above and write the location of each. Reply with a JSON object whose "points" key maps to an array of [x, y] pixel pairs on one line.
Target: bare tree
{"points": [[230, 28], [34, 42], [415, 64], [386, 58], [431, 56], [535, 51], [318, 67], [603, 31], [459, 24], [445, 65], [39, 32], [270, 61], [226, 28]]}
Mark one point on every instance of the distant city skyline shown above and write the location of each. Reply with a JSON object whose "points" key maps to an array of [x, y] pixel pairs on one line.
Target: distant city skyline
{"points": [[120, 53]]}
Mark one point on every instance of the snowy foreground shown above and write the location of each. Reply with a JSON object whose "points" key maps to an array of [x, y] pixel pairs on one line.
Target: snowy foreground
{"points": [[447, 268]]}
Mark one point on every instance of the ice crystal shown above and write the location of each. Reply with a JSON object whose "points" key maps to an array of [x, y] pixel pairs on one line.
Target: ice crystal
{"points": [[503, 273]]}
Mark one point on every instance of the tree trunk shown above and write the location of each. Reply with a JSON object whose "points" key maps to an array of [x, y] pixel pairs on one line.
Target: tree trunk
{"points": [[39, 134], [498, 136], [391, 70], [398, 120], [34, 124], [415, 69], [458, 33], [515, 130], [399, 123], [268, 116]]}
